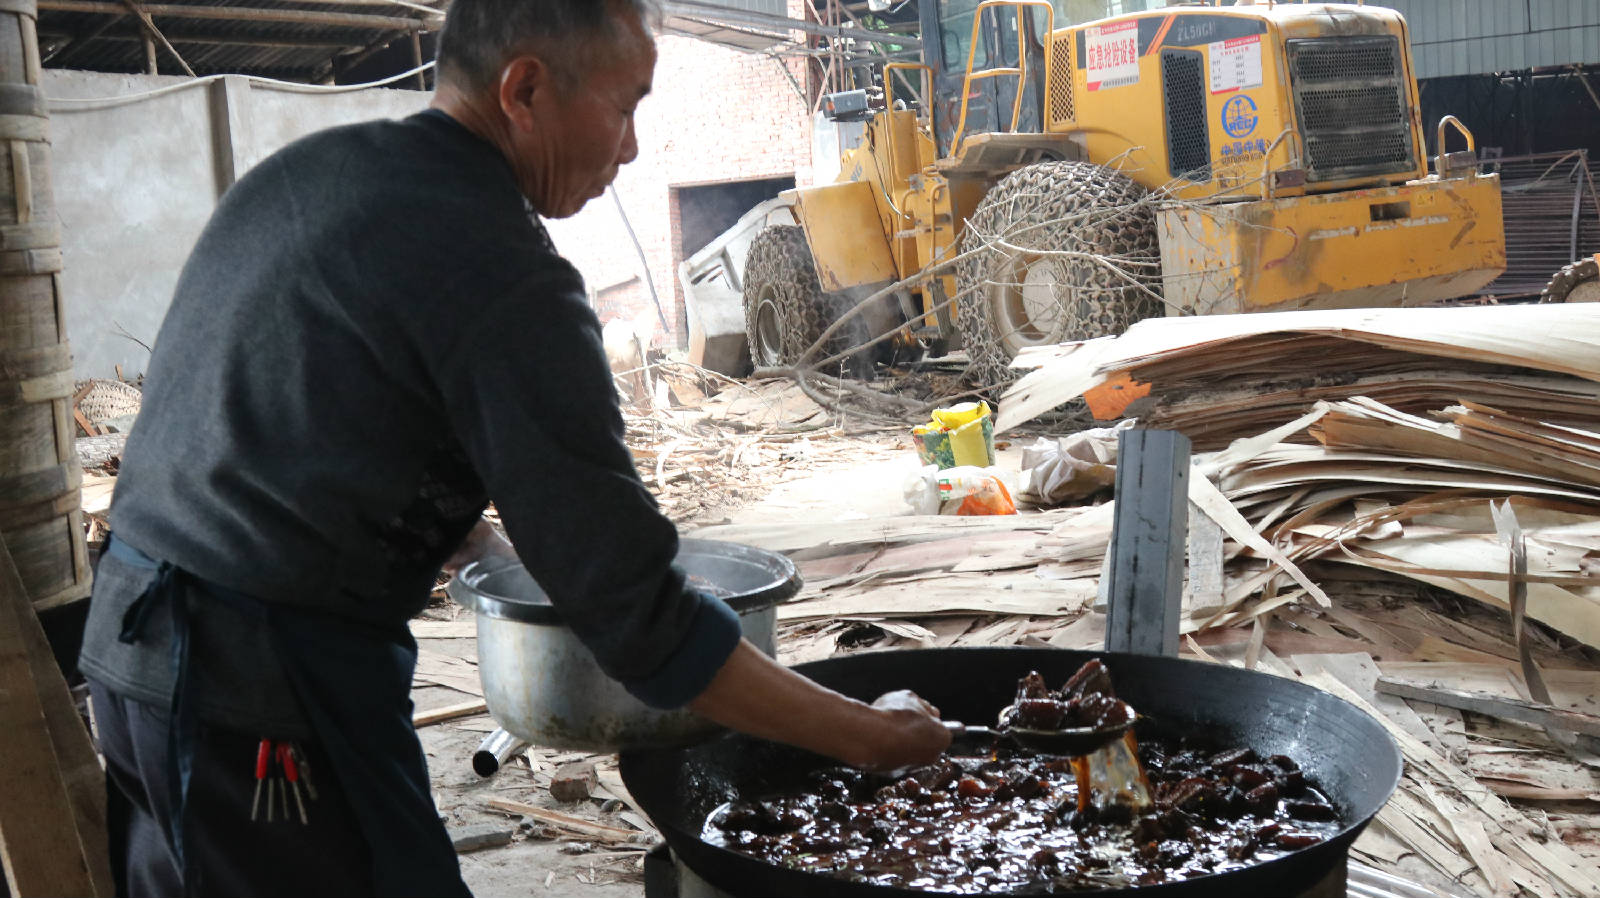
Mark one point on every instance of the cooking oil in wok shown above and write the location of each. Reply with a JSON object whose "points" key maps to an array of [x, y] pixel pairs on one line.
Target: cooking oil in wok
{"points": [[1007, 817]]}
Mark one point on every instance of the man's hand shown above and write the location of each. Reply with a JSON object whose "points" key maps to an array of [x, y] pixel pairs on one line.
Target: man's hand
{"points": [[911, 732], [755, 694]]}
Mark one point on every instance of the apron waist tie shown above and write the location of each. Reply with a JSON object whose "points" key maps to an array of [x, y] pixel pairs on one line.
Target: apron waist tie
{"points": [[168, 588]]}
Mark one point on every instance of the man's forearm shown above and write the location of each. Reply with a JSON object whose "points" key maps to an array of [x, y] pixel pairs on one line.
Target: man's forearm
{"points": [[756, 695]]}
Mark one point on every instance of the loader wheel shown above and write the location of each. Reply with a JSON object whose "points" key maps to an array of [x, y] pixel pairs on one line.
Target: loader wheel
{"points": [[1578, 282], [785, 309], [1018, 296]]}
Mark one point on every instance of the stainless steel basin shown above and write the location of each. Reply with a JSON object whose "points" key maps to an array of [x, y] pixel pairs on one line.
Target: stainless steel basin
{"points": [[543, 685]]}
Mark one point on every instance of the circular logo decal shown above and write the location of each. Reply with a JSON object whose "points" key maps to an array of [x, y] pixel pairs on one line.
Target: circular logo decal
{"points": [[1239, 116]]}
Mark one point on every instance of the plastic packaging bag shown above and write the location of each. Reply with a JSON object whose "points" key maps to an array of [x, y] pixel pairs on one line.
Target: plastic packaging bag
{"points": [[960, 491], [962, 434], [1071, 468]]}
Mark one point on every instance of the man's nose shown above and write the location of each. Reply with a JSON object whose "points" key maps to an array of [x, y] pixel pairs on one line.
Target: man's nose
{"points": [[629, 150]]}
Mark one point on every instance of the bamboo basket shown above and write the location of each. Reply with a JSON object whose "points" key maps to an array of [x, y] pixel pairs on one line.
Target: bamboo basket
{"points": [[40, 518]]}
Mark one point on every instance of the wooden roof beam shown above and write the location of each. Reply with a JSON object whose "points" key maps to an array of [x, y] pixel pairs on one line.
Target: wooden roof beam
{"points": [[242, 14], [231, 40], [154, 33]]}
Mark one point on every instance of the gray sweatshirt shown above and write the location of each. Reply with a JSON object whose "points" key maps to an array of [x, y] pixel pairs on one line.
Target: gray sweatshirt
{"points": [[372, 339]]}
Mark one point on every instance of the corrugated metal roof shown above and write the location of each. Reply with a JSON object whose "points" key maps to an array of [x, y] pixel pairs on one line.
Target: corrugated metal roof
{"points": [[292, 39], [1474, 37]]}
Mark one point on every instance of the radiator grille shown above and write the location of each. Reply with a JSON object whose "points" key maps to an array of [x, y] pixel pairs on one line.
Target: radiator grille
{"points": [[1061, 79], [1354, 110], [1183, 84]]}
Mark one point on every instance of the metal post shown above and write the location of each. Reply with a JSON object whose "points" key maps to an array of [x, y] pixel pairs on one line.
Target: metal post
{"points": [[416, 59], [1148, 541]]}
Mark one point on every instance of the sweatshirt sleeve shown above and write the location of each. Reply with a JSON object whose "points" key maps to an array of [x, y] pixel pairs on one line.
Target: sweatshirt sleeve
{"points": [[528, 390]]}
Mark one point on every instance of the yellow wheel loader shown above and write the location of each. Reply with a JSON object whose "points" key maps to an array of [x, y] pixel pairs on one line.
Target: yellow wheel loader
{"points": [[1075, 166]]}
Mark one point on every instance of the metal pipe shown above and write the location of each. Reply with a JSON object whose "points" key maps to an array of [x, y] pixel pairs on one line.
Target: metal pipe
{"points": [[1577, 209], [497, 749], [644, 261]]}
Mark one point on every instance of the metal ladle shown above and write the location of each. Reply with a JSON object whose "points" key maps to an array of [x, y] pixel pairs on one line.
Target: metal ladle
{"points": [[1069, 742]]}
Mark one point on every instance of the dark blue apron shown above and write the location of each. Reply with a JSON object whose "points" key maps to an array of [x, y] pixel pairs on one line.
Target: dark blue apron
{"points": [[353, 682]]}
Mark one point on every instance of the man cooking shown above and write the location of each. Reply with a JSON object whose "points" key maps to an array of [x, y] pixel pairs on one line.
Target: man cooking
{"points": [[373, 338]]}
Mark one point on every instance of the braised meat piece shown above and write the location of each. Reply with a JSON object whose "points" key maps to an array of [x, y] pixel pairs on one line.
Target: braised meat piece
{"points": [[1092, 678], [1040, 714], [1032, 686], [1036, 707], [1098, 711], [1086, 701]]}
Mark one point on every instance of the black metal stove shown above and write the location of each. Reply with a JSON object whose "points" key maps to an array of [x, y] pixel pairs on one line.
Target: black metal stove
{"points": [[666, 877]]}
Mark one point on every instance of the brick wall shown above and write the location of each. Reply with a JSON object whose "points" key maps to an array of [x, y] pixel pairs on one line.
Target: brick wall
{"points": [[715, 115]]}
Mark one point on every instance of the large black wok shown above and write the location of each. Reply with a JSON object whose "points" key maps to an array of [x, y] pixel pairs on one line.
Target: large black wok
{"points": [[1341, 747]]}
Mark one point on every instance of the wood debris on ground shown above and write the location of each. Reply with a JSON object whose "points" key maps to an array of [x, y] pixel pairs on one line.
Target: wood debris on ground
{"points": [[729, 442]]}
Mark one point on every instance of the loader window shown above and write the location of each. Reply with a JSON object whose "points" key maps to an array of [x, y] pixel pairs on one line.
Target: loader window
{"points": [[1078, 12], [955, 26], [955, 35]]}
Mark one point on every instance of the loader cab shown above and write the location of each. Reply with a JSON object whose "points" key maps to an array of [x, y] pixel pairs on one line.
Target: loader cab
{"points": [[947, 41]]}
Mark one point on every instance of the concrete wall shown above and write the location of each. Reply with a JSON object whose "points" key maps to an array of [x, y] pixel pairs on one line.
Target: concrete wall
{"points": [[135, 182]]}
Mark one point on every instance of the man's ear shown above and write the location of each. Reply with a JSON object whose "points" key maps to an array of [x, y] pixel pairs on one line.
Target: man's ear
{"points": [[521, 81]]}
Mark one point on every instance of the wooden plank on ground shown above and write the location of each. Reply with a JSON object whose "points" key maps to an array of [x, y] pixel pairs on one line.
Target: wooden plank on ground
{"points": [[578, 826], [1494, 706], [445, 629], [1573, 689], [1205, 585], [81, 773], [953, 594], [40, 846], [1204, 494], [449, 712], [845, 536]]}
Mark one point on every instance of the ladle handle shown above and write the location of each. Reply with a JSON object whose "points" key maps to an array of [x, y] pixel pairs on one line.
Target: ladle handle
{"points": [[959, 730]]}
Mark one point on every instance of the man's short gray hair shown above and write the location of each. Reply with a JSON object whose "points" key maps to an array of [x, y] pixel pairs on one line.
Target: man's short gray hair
{"points": [[481, 36]]}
